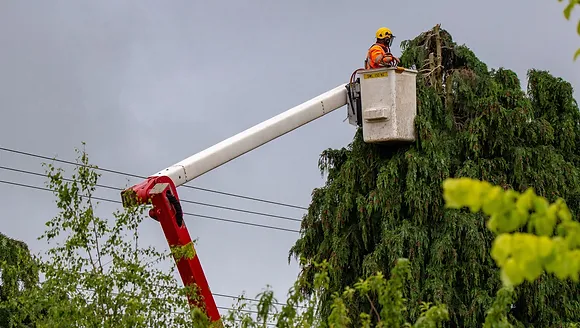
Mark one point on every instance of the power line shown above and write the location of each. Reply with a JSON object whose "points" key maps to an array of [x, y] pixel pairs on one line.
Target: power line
{"points": [[213, 293], [245, 298], [174, 312], [184, 213], [142, 177], [182, 200]]}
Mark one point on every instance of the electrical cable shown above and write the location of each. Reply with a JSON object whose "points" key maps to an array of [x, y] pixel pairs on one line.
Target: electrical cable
{"points": [[142, 177], [184, 213], [213, 293], [174, 312], [182, 200]]}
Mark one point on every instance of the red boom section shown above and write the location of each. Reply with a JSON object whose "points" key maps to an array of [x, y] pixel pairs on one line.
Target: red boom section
{"points": [[167, 210]]}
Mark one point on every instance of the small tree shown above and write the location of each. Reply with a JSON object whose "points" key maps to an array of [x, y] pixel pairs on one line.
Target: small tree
{"points": [[98, 273]]}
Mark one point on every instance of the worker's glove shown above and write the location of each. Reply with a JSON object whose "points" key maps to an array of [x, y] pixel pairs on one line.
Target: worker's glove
{"points": [[394, 61]]}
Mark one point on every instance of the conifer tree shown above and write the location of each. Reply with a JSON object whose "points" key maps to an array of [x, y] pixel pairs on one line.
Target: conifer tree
{"points": [[381, 203]]}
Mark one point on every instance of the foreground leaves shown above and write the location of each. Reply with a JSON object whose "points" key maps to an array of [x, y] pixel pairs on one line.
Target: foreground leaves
{"points": [[567, 14], [552, 243]]}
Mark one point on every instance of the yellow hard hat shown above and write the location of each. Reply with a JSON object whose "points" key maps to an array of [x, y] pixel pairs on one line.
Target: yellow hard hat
{"points": [[384, 32]]}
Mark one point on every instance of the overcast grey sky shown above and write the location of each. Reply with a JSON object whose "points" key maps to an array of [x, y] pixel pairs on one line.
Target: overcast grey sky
{"points": [[148, 83]]}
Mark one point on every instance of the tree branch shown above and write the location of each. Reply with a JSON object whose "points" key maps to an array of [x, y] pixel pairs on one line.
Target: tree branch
{"points": [[374, 309]]}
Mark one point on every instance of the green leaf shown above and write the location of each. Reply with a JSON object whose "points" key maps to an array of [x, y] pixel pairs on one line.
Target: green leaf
{"points": [[577, 54], [568, 9]]}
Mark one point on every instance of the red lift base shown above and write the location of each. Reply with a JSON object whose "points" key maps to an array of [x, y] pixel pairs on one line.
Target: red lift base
{"points": [[167, 210]]}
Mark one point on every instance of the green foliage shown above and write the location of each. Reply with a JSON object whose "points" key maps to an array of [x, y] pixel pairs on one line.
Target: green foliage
{"points": [[183, 252], [567, 12], [383, 202], [19, 273], [96, 272], [301, 312], [497, 315], [552, 243]]}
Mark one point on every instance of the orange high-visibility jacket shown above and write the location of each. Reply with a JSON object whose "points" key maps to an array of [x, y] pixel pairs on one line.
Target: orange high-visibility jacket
{"points": [[375, 55]]}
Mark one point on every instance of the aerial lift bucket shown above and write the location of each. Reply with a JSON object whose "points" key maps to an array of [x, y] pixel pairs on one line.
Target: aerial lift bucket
{"points": [[383, 102]]}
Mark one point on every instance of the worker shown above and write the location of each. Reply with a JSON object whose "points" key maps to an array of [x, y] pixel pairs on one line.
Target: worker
{"points": [[379, 54]]}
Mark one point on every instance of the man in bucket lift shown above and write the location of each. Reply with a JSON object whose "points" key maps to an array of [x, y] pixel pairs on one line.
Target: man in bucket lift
{"points": [[379, 54]]}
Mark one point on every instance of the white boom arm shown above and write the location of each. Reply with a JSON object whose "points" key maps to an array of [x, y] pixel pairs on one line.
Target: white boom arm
{"points": [[386, 115], [243, 142]]}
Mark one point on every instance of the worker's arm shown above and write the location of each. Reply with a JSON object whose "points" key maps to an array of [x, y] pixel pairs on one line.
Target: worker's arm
{"points": [[379, 57]]}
